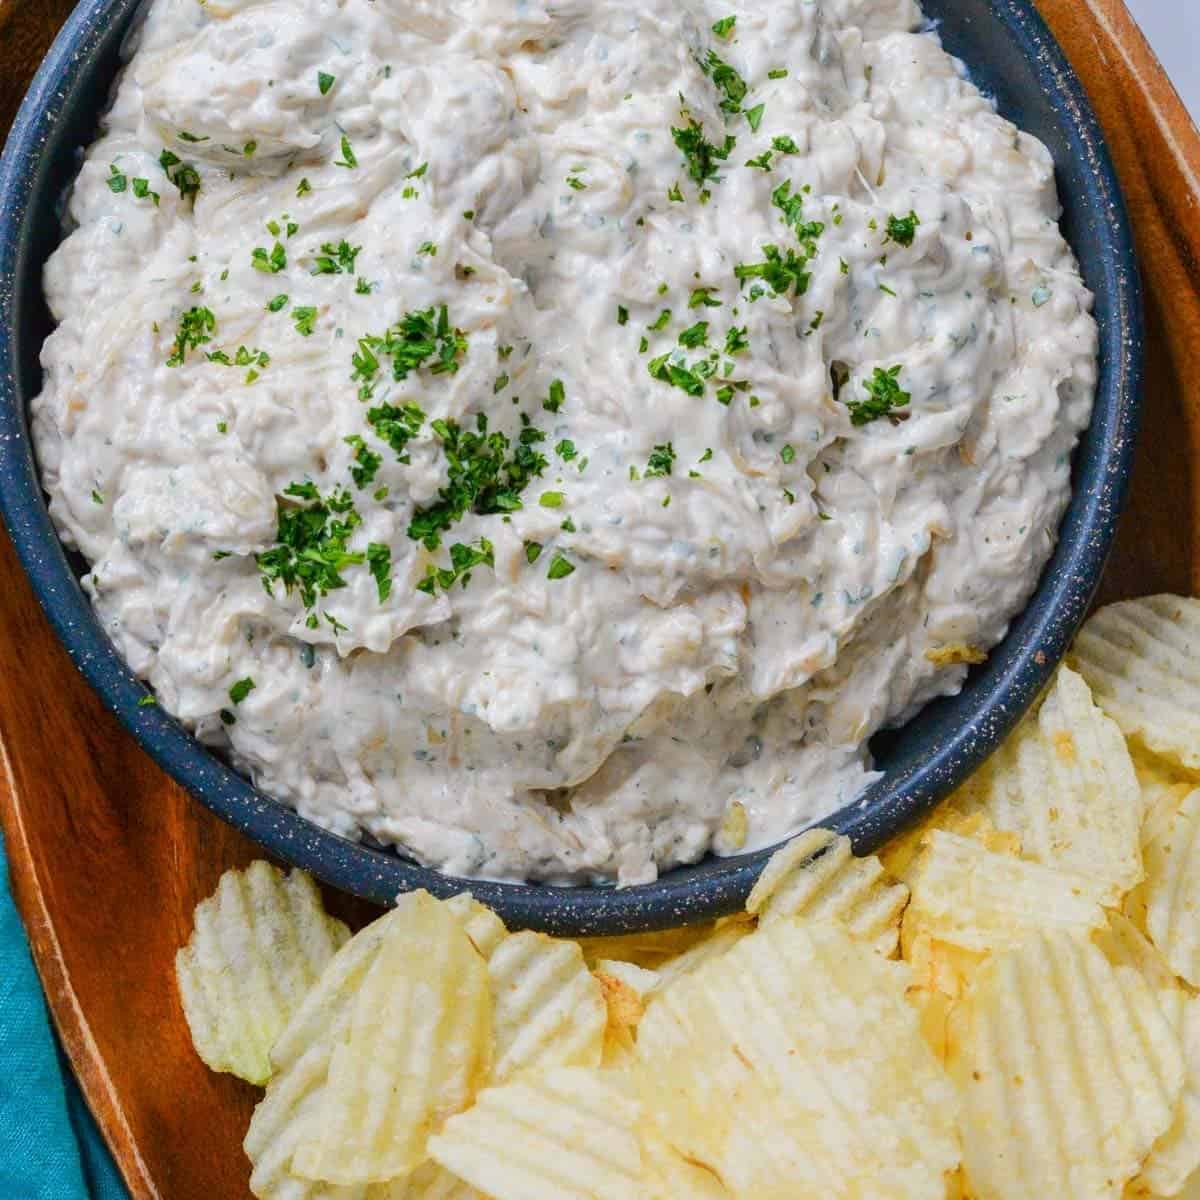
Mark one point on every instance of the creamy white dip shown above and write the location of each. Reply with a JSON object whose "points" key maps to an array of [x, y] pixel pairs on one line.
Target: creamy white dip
{"points": [[757, 514]]}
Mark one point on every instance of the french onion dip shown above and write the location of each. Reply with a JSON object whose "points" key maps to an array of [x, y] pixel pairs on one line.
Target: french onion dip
{"points": [[552, 436]]}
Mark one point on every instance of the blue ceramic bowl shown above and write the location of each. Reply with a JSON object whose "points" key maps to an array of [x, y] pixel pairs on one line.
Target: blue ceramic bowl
{"points": [[1012, 56]]}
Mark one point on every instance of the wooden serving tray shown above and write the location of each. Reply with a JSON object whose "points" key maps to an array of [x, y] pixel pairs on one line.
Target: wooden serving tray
{"points": [[108, 856]]}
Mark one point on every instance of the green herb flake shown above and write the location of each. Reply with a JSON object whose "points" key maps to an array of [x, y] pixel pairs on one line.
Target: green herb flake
{"points": [[116, 181], [737, 340], [336, 259], [661, 461], [727, 81], [183, 175], [754, 116], [788, 454], [560, 567], [348, 158], [270, 262], [661, 322], [551, 499], [622, 315], [695, 335], [762, 161], [533, 551], [379, 563], [782, 272], [902, 230], [784, 144], [366, 462], [241, 689], [361, 287], [184, 136], [724, 27], [500, 384], [701, 156], [675, 194], [276, 303], [428, 249], [196, 327], [554, 401], [566, 450], [303, 187], [325, 82], [305, 318], [702, 297], [249, 148], [777, 73], [147, 702], [576, 184], [884, 396]]}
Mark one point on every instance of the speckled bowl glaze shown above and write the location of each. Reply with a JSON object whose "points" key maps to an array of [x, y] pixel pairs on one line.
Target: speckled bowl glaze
{"points": [[1012, 56]]}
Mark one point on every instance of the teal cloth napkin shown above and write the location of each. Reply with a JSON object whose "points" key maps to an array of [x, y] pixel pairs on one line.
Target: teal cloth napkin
{"points": [[50, 1148]]}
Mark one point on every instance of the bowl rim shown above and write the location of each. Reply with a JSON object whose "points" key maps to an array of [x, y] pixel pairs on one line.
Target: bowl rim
{"points": [[1063, 595]]}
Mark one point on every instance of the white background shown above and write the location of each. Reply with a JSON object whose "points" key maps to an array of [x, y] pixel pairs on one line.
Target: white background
{"points": [[1173, 27]]}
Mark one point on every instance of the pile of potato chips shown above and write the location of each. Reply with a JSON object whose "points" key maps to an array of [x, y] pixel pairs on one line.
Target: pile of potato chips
{"points": [[1001, 1006]]}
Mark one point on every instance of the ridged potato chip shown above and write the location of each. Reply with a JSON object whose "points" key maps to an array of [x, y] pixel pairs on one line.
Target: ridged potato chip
{"points": [[1065, 785], [900, 855], [667, 1175], [567, 1134], [967, 896], [483, 927], [1069, 1071], [648, 950], [792, 1065], [258, 945], [416, 1048], [1172, 890], [548, 1008], [1142, 660], [816, 876], [726, 934]]}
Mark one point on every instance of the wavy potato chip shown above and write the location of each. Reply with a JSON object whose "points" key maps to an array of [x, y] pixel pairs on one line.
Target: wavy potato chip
{"points": [[567, 1134], [1069, 1072], [793, 1065], [815, 876], [1172, 889], [414, 1051], [548, 1008], [667, 1175], [649, 950], [484, 927], [1064, 783], [1142, 661], [258, 944], [967, 896], [899, 856], [724, 936]]}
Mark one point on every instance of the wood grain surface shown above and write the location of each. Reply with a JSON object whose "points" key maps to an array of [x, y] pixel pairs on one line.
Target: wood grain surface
{"points": [[108, 857]]}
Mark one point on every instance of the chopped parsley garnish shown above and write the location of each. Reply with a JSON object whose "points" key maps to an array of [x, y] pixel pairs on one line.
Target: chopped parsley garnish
{"points": [[700, 155], [366, 462], [694, 335], [196, 327], [116, 181], [419, 336], [788, 454], [96, 497], [482, 475], [784, 144], [568, 526], [249, 148], [736, 340], [884, 395], [222, 426], [533, 551], [325, 82], [305, 317], [566, 450], [504, 353], [777, 73], [336, 259], [361, 287], [397, 425], [675, 194], [622, 315], [462, 559], [754, 116], [241, 689], [706, 456], [501, 383], [141, 189], [724, 27], [184, 136], [272, 262], [661, 322], [183, 175], [702, 297], [560, 567], [379, 563], [303, 186], [311, 551], [147, 702], [576, 184], [417, 172], [792, 208], [781, 272], [277, 302], [883, 287], [554, 401], [551, 500], [726, 80], [902, 230], [661, 461], [670, 368], [348, 158], [761, 161]]}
